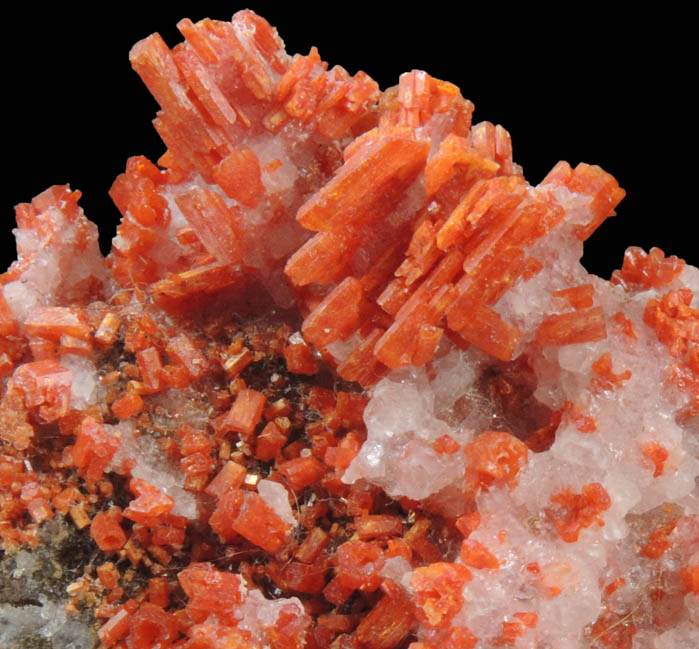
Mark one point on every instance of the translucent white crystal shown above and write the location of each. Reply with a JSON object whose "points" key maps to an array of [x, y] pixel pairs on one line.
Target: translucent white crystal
{"points": [[21, 298], [399, 570], [277, 497], [85, 384], [151, 465], [48, 620], [257, 614]]}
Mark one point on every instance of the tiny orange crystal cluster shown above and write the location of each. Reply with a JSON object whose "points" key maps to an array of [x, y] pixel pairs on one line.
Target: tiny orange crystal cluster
{"points": [[209, 401]]}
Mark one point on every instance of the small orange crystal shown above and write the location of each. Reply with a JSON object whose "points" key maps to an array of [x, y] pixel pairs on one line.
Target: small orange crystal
{"points": [[438, 592], [247, 514], [573, 512], [107, 531], [94, 448], [149, 504], [494, 458]]}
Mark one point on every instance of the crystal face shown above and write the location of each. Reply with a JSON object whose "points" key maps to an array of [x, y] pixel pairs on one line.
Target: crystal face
{"points": [[342, 380]]}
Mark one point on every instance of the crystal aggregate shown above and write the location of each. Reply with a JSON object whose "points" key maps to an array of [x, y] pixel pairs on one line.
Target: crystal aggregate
{"points": [[342, 381]]}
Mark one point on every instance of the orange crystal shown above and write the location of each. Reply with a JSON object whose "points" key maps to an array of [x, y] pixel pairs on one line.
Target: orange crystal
{"points": [[359, 564], [150, 626], [388, 622], [495, 458], [438, 592], [107, 531], [250, 516], [94, 448], [476, 555], [149, 504], [209, 590], [45, 385], [245, 413], [573, 512]]}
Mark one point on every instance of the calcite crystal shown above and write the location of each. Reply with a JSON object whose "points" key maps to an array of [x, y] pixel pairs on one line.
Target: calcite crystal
{"points": [[343, 383]]}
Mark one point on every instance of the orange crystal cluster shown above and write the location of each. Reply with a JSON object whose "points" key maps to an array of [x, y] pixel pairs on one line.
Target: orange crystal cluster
{"points": [[197, 401], [461, 222], [251, 134]]}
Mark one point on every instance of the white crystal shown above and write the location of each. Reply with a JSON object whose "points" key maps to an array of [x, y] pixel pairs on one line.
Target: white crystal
{"points": [[277, 497], [85, 384]]}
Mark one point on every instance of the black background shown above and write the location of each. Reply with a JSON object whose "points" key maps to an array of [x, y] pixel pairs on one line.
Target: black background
{"points": [[581, 87]]}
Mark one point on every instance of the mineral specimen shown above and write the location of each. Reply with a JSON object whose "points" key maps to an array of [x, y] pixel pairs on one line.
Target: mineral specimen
{"points": [[342, 381]]}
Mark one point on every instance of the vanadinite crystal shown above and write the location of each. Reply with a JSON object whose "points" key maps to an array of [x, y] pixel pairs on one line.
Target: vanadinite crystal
{"points": [[343, 383]]}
